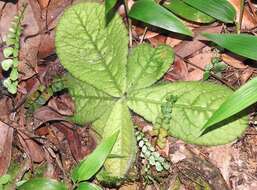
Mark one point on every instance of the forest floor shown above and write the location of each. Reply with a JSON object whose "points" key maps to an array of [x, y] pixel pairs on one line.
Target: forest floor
{"points": [[35, 139]]}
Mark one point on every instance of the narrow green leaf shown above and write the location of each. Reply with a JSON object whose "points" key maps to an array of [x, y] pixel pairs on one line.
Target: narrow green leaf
{"points": [[219, 9], [146, 65], [88, 186], [187, 12], [150, 12], [90, 50], [42, 184], [241, 44], [197, 101], [238, 101], [89, 167], [109, 5]]}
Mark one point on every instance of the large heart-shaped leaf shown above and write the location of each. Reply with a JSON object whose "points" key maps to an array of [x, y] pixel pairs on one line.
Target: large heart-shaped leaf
{"points": [[185, 11], [146, 65], [219, 9], [42, 184], [196, 103], [90, 103], [91, 51], [150, 12], [118, 119], [241, 44]]}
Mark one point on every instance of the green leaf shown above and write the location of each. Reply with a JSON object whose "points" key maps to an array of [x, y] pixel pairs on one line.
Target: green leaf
{"points": [[90, 51], [241, 44], [219, 9], [90, 103], [187, 12], [7, 64], [88, 186], [197, 101], [150, 12], [42, 184], [91, 165], [119, 119], [109, 5], [146, 65], [8, 52], [5, 179], [235, 103], [14, 74]]}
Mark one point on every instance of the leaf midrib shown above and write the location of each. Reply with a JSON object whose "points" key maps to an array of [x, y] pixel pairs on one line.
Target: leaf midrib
{"points": [[103, 62], [177, 105]]}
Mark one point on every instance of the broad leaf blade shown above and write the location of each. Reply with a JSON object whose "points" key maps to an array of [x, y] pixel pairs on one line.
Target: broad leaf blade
{"points": [[197, 101], [238, 101], [89, 167], [90, 103], [88, 186], [89, 50], [219, 9], [150, 12], [187, 12], [146, 65], [42, 184], [118, 119], [241, 44]]}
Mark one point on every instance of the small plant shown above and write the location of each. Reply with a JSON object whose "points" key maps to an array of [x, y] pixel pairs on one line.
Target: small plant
{"points": [[11, 53], [83, 172], [163, 121], [149, 153], [216, 66], [106, 81]]}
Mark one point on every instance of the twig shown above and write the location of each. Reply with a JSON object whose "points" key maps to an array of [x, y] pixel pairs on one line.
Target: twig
{"points": [[129, 23], [143, 36]]}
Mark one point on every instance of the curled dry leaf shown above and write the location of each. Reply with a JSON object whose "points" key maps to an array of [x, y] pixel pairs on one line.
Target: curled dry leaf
{"points": [[179, 71], [234, 60], [6, 139]]}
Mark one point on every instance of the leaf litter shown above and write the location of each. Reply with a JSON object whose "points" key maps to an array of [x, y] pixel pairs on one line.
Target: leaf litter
{"points": [[46, 136]]}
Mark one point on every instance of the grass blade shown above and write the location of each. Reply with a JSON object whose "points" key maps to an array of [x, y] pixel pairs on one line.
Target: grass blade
{"points": [[238, 101], [241, 44], [220, 9], [152, 13]]}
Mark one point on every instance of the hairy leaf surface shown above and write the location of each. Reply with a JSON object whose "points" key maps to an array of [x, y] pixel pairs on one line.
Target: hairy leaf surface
{"points": [[119, 119], [146, 65], [91, 51], [90, 103], [195, 105]]}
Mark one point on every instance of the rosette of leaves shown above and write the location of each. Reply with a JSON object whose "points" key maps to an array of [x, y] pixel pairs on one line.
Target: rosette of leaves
{"points": [[11, 52], [106, 81]]}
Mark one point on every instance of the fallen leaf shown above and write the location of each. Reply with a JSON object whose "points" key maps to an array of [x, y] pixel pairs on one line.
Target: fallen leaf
{"points": [[179, 71], [245, 76], [6, 139], [233, 60], [62, 104]]}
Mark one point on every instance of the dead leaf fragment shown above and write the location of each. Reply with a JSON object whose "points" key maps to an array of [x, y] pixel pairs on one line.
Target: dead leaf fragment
{"points": [[234, 61]]}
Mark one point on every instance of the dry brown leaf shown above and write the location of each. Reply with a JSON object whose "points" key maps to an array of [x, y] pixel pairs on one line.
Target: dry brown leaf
{"points": [[179, 71], [62, 104], [245, 76], [33, 149], [6, 139], [234, 61], [43, 3]]}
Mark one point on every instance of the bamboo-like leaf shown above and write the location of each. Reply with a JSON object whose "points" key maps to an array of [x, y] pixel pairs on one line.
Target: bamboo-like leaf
{"points": [[219, 9], [241, 44], [238, 101], [88, 167], [42, 184], [151, 13], [187, 12]]}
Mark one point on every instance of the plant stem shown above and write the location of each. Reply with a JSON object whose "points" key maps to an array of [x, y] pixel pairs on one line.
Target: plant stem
{"points": [[242, 3], [129, 23]]}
